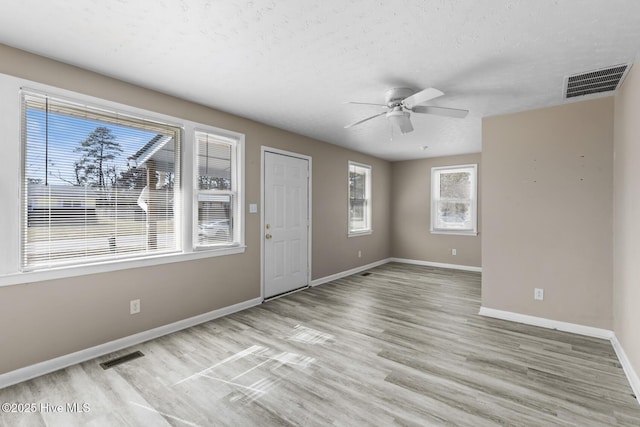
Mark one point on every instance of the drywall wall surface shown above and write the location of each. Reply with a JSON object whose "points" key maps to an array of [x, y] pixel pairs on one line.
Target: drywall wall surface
{"points": [[547, 212], [411, 215], [626, 224]]}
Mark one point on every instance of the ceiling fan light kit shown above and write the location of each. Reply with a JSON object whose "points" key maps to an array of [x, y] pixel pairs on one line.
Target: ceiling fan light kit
{"points": [[400, 118], [401, 102]]}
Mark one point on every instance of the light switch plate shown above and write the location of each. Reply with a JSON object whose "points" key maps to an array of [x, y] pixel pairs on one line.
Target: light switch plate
{"points": [[253, 208]]}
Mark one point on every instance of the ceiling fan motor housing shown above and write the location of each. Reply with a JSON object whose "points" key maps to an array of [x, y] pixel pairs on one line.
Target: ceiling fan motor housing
{"points": [[393, 97]]}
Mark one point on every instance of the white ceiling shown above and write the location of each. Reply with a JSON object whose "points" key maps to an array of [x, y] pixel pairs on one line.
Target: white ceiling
{"points": [[292, 63]]}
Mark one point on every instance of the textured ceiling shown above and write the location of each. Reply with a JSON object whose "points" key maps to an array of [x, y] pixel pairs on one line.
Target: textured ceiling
{"points": [[292, 63]]}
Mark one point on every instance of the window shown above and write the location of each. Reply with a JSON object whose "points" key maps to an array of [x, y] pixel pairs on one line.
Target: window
{"points": [[216, 187], [97, 185], [101, 189], [454, 199], [359, 199]]}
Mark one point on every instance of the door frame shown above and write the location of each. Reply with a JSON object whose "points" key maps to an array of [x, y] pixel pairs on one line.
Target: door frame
{"points": [[263, 150]]}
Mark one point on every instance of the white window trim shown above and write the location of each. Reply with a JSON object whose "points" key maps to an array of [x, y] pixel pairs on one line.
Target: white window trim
{"points": [[11, 171], [474, 200], [108, 266], [369, 191]]}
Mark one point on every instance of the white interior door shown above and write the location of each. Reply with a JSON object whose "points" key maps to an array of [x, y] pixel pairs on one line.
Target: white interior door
{"points": [[286, 223]]}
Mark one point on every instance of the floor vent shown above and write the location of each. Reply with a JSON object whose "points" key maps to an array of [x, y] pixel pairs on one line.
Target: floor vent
{"points": [[596, 81], [366, 274], [120, 360]]}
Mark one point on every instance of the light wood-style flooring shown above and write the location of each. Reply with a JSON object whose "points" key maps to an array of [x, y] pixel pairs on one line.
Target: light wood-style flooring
{"points": [[402, 346]]}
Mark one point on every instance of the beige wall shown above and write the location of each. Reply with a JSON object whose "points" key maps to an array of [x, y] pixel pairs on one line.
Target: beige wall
{"points": [[626, 208], [547, 212], [411, 215], [40, 321]]}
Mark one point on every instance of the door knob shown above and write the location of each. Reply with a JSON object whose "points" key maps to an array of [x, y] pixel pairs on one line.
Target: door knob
{"points": [[268, 236]]}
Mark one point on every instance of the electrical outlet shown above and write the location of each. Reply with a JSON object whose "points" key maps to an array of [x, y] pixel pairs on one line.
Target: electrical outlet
{"points": [[454, 252], [538, 294], [359, 254], [134, 306]]}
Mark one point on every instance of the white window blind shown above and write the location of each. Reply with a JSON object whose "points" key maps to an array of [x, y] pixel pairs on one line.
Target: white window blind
{"points": [[97, 184], [454, 199], [216, 191], [359, 198]]}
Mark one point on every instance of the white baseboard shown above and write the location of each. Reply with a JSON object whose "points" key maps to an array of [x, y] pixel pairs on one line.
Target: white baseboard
{"points": [[547, 323], [48, 366], [436, 264], [632, 376], [342, 274]]}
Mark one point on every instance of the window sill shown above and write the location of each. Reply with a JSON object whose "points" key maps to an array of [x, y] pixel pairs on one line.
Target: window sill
{"points": [[455, 232], [108, 266], [359, 233]]}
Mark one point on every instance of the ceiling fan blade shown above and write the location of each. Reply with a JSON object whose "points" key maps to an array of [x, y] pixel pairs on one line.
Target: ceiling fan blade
{"points": [[421, 97], [364, 103], [364, 120], [441, 111]]}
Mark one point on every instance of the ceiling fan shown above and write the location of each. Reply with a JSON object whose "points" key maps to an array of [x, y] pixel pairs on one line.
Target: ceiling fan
{"points": [[400, 102]]}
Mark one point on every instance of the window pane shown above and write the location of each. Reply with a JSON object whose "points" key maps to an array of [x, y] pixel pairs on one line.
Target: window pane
{"points": [[357, 183], [456, 185], [453, 215], [215, 219], [216, 186], [359, 195], [214, 163], [358, 215], [97, 186]]}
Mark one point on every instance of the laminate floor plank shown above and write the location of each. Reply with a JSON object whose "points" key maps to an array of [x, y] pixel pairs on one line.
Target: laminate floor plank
{"points": [[402, 346]]}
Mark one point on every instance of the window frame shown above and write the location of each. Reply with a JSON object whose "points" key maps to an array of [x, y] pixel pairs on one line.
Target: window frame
{"points": [[236, 141], [11, 271], [352, 232], [435, 197], [101, 113]]}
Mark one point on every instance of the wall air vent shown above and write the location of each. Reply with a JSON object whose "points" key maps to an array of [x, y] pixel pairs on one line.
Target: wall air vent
{"points": [[596, 81]]}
